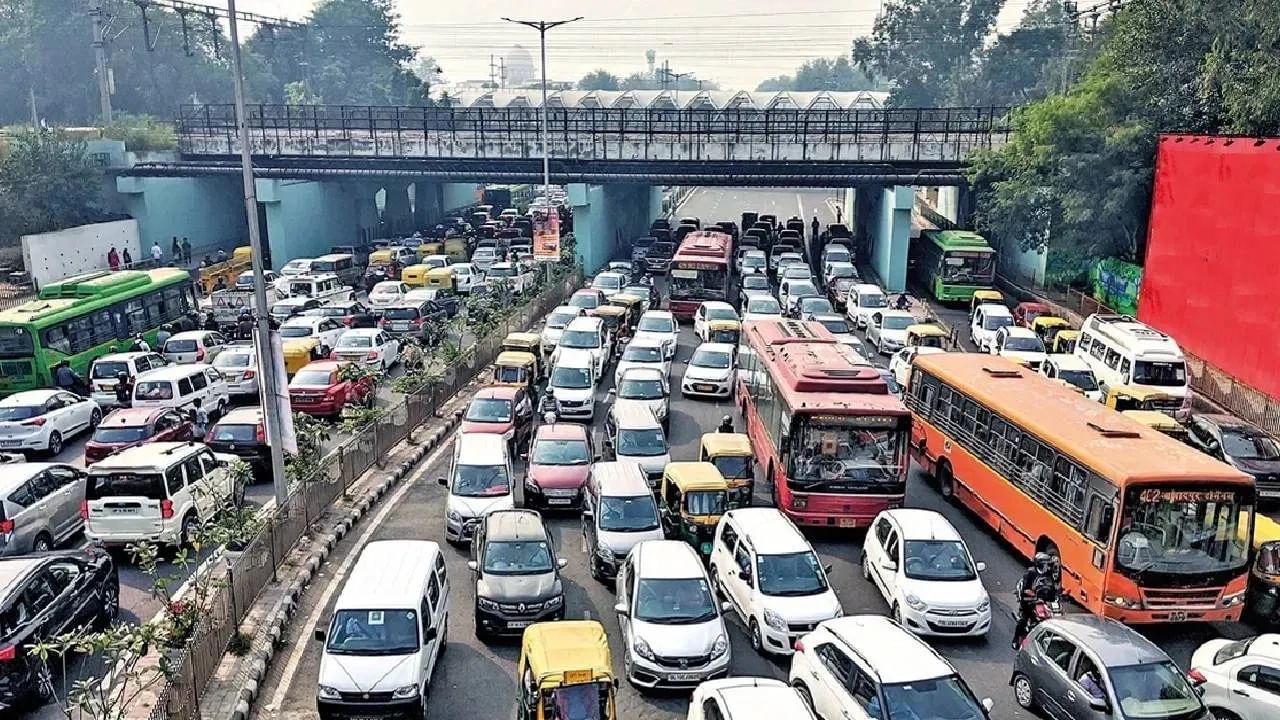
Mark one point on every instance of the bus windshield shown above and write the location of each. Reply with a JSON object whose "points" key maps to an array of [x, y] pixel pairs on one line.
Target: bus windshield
{"points": [[1183, 531], [968, 267], [1162, 374], [837, 457], [15, 342], [687, 284]]}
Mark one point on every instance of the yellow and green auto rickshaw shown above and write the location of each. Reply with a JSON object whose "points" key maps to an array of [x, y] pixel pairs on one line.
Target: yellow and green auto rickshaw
{"points": [[634, 307], [1263, 599], [693, 497], [430, 247], [614, 319], [525, 342], [985, 297], [519, 369], [443, 278], [415, 275], [1064, 342], [456, 249], [1047, 327], [731, 454], [565, 672], [1159, 422], [926, 335], [724, 331]]}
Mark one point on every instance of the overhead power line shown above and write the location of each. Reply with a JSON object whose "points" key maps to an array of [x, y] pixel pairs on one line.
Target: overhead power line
{"points": [[182, 6]]}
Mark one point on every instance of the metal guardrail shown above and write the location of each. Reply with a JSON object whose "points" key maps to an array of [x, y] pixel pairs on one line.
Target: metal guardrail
{"points": [[1240, 399]]}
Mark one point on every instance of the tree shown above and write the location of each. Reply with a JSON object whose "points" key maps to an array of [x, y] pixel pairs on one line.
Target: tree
{"points": [[777, 83], [599, 80], [645, 81], [1027, 63], [832, 75], [47, 182], [924, 47]]}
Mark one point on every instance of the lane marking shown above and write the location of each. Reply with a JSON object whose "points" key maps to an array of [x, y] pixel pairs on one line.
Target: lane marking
{"points": [[335, 581]]}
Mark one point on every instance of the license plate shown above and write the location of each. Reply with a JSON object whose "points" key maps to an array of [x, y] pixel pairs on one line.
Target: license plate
{"points": [[10, 443], [951, 623], [848, 522], [704, 388], [519, 624], [682, 677], [706, 548], [125, 510], [399, 326], [558, 501]]}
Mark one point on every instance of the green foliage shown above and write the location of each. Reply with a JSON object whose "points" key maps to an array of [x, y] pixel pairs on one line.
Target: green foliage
{"points": [[1027, 63], [47, 182], [312, 434], [141, 133], [830, 74], [645, 81], [599, 80]]}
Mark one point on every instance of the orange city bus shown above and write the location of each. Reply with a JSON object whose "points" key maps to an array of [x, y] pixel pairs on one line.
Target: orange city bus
{"points": [[698, 271], [1148, 530], [823, 423]]}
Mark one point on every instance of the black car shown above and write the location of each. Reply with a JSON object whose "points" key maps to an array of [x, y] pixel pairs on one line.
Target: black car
{"points": [[1242, 446], [41, 597], [517, 573], [243, 432]]}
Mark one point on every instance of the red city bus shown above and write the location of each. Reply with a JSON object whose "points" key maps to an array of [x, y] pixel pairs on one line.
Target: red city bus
{"points": [[699, 271], [822, 422], [1148, 530]]}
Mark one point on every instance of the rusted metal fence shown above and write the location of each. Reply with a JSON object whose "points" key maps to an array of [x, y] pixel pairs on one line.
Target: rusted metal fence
{"points": [[249, 572], [1242, 400]]}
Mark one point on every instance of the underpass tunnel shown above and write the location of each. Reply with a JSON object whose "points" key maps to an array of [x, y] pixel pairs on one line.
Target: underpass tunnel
{"points": [[607, 217]]}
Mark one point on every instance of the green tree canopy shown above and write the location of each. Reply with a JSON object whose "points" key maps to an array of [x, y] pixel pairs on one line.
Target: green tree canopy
{"points": [[599, 80], [1027, 63], [47, 182]]}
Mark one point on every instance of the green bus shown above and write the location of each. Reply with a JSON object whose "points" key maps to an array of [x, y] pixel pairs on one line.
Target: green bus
{"points": [[953, 263], [85, 317]]}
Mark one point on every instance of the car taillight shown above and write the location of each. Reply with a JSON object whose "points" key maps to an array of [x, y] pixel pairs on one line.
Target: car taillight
{"points": [[166, 509], [348, 320], [199, 354], [798, 646], [418, 321], [6, 526], [8, 652], [1196, 677], [84, 509], [36, 421], [250, 374], [371, 355], [382, 322], [260, 433]]}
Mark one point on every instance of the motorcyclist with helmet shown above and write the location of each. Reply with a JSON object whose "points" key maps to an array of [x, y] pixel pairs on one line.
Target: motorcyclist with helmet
{"points": [[1040, 583], [726, 424]]}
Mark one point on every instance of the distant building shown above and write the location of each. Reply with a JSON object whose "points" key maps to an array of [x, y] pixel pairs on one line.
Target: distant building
{"points": [[520, 67]]}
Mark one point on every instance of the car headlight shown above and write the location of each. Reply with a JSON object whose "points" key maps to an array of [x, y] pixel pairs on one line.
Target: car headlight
{"points": [[555, 602], [407, 691], [774, 620], [914, 602], [985, 605], [1233, 599], [486, 604], [455, 516], [328, 693], [642, 649], [719, 648], [604, 553]]}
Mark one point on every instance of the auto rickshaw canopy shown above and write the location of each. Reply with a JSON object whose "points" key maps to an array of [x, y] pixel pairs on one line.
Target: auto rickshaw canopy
{"points": [[381, 257], [984, 297], [1140, 395], [566, 652], [298, 352], [456, 249], [434, 247], [440, 277], [718, 444], [1045, 323], [695, 477], [242, 254], [1064, 341], [514, 358], [921, 333], [1157, 420], [522, 341], [731, 325]]}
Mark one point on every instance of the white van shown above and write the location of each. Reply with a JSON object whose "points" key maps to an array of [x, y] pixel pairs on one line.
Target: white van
{"points": [[481, 480], [342, 265], [1123, 351], [156, 492], [325, 288], [105, 373], [179, 386], [296, 267], [387, 632]]}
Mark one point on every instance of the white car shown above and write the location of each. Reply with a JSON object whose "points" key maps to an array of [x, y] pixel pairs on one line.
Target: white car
{"points": [[833, 271], [836, 253], [790, 291], [711, 371], [747, 698], [752, 262], [865, 300], [794, 271], [466, 277], [572, 383], [387, 293], [557, 320], [43, 420], [643, 386], [1020, 345], [509, 272], [762, 307], [326, 330], [436, 261], [1073, 371], [238, 365], [710, 311], [753, 285], [889, 664], [609, 283], [770, 574], [585, 334], [887, 332], [923, 569], [105, 372], [193, 346], [900, 363], [986, 320], [484, 258], [370, 346], [1240, 679], [661, 326], [642, 353]]}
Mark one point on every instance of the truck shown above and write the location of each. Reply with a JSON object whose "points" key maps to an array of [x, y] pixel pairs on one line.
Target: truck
{"points": [[228, 305]]}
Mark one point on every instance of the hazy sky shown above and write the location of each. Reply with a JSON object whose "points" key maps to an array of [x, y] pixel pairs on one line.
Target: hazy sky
{"points": [[737, 43]]}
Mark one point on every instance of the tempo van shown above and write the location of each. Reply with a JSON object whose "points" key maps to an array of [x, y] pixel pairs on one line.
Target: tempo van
{"points": [[1123, 351]]}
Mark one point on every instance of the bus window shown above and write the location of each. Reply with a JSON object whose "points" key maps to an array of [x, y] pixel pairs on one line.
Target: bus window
{"points": [[15, 342]]}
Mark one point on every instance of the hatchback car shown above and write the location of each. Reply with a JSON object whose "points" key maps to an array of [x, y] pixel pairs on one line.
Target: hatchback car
{"points": [[553, 327], [501, 410], [243, 434], [39, 506], [1239, 679], [642, 353], [319, 389], [42, 420], [588, 299], [370, 346], [808, 308], [887, 332], [644, 386], [127, 427], [609, 283], [557, 465], [711, 371], [343, 312], [193, 346], [753, 285], [618, 511], [387, 293], [517, 573]]}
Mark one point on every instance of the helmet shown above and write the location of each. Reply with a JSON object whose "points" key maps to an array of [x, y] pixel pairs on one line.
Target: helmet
{"points": [[726, 420], [122, 375], [1043, 561]]}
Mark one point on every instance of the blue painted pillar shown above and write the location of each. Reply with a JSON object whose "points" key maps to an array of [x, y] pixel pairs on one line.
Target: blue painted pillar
{"points": [[396, 215], [305, 219], [606, 218], [890, 226]]}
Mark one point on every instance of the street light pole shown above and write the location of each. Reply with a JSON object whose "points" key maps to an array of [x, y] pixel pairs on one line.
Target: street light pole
{"points": [[678, 77], [262, 339]]}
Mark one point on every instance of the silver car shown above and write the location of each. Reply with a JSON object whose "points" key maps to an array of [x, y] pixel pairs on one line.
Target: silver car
{"points": [[39, 506]]}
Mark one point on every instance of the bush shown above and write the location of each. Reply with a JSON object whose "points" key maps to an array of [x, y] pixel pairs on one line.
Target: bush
{"points": [[141, 133]]}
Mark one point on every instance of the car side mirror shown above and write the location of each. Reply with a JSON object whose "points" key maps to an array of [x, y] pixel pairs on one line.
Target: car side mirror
{"points": [[473, 566], [562, 562], [726, 607], [827, 568], [442, 481], [744, 575], [318, 635], [889, 565], [621, 609], [987, 704], [1097, 703], [430, 634], [980, 566]]}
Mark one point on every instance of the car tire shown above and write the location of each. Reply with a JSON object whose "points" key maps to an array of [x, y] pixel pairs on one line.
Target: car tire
{"points": [[184, 534], [43, 543], [757, 641], [895, 612], [806, 697], [55, 443], [1023, 692], [41, 684], [95, 417], [110, 604], [866, 567]]}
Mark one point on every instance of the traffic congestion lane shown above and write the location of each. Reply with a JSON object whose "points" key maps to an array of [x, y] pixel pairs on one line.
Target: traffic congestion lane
{"points": [[711, 205]]}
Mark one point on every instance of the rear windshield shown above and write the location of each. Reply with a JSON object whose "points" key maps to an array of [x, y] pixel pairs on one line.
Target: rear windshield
{"points": [[312, 377], [108, 370], [125, 484], [401, 313], [226, 432], [21, 412], [114, 435], [233, 359], [181, 346], [153, 390]]}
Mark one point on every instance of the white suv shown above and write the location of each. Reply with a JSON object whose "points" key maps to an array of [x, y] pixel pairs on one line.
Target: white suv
{"points": [[585, 334], [673, 632], [660, 326], [1240, 678], [922, 568], [856, 666], [772, 578]]}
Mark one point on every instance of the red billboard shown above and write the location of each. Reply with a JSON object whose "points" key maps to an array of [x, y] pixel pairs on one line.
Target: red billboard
{"points": [[1212, 272]]}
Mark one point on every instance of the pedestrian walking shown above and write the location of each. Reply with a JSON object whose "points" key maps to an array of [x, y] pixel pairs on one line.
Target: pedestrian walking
{"points": [[124, 389], [176, 249], [199, 418], [127, 258], [817, 227], [157, 254], [113, 259], [186, 251], [838, 214]]}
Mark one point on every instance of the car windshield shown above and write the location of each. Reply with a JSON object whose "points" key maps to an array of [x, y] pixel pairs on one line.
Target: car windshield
{"points": [[1163, 374], [481, 481], [518, 557], [763, 306], [640, 389], [706, 502], [753, 261], [755, 282], [628, 513], [674, 601], [871, 300], [1249, 445], [492, 410], [233, 360], [109, 369], [607, 282], [557, 321], [896, 322], [180, 346], [656, 324], [313, 377], [125, 484], [995, 322], [354, 341], [1168, 533], [714, 359], [642, 443], [942, 560], [815, 305], [1153, 690], [1082, 379], [801, 289], [296, 331], [789, 574], [945, 698], [733, 466], [836, 326], [116, 435], [721, 313], [1023, 344], [373, 632], [642, 354], [585, 339], [847, 454], [589, 301], [560, 452], [570, 378], [502, 272]]}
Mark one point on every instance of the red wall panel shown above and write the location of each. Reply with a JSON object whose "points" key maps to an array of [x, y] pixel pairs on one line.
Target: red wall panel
{"points": [[1212, 272]]}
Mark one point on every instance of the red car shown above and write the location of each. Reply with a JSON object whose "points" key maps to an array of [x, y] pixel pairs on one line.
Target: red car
{"points": [[838, 292], [1026, 313], [318, 390], [127, 427], [504, 410], [559, 463]]}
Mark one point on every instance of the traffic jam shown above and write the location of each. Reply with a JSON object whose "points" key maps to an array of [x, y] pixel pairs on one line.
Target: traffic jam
{"points": [[707, 419]]}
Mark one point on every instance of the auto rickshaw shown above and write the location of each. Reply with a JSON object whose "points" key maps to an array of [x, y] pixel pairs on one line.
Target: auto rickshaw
{"points": [[519, 369], [1047, 327], [1127, 397], [298, 352], [1160, 422], [633, 305], [1064, 341], [242, 255], [415, 275], [430, 247], [732, 455], [565, 672], [985, 297], [440, 278], [614, 318], [526, 342], [724, 331], [693, 497], [455, 248], [1263, 599], [926, 335]]}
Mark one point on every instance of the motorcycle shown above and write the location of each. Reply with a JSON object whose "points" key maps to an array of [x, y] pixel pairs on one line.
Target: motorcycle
{"points": [[1048, 605]]}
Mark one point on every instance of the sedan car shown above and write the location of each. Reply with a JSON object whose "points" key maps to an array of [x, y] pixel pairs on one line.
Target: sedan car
{"points": [[711, 371], [558, 465], [610, 283], [642, 352], [900, 363], [557, 320], [838, 271], [344, 311], [1241, 445], [707, 313], [751, 261], [320, 389], [325, 330], [809, 308], [887, 332], [128, 427], [588, 299], [42, 420], [370, 346], [243, 433], [761, 307], [790, 292], [753, 285], [387, 293], [659, 326], [238, 365]]}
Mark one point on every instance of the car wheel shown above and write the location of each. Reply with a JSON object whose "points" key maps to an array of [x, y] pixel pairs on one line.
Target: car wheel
{"points": [[895, 612], [41, 683], [805, 696], [757, 642], [1223, 714], [95, 417], [42, 544], [55, 442], [110, 604], [184, 535], [1023, 692], [422, 703], [866, 567]]}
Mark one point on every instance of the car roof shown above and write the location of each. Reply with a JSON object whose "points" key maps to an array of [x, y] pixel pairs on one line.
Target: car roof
{"points": [[158, 453], [389, 574], [514, 525], [17, 473], [125, 355], [867, 287], [1228, 421], [566, 309], [190, 334], [28, 397], [128, 417], [917, 524], [667, 559], [172, 372], [620, 479], [642, 370], [893, 654], [561, 431], [305, 320], [1115, 644], [577, 358], [386, 283], [720, 347], [1015, 331], [325, 365], [750, 698], [1265, 645], [645, 341], [627, 416], [717, 304], [657, 313], [584, 322], [242, 415], [1067, 361], [483, 445], [770, 531], [994, 309], [497, 392]]}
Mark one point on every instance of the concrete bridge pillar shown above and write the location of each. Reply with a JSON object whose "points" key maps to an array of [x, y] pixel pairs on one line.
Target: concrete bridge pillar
{"points": [[208, 211], [305, 219], [883, 216], [606, 218], [397, 216]]}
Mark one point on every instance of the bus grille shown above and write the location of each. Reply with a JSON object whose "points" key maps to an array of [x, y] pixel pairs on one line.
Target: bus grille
{"points": [[1182, 599]]}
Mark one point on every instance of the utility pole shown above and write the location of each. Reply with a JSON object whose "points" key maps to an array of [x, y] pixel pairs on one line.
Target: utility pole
{"points": [[492, 72], [266, 354], [678, 77], [502, 72], [100, 60]]}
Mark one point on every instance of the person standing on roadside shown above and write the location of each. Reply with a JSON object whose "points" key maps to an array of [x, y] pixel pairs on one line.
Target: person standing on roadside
{"points": [[157, 254], [176, 249], [128, 259], [186, 251], [817, 228], [113, 259]]}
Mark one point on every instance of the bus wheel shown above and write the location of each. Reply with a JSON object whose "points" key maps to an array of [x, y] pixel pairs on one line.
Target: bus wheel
{"points": [[946, 483], [773, 487]]}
